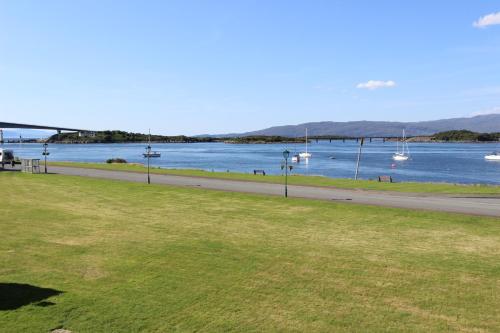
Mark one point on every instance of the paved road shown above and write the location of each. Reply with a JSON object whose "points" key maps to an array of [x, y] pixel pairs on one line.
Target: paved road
{"points": [[476, 205]]}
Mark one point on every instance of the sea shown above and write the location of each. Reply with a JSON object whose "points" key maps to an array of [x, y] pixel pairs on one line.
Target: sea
{"points": [[429, 162]]}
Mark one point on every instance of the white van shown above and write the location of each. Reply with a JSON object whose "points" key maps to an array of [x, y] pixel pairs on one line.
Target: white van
{"points": [[7, 157]]}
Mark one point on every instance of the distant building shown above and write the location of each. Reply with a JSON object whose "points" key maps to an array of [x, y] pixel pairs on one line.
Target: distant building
{"points": [[89, 134]]}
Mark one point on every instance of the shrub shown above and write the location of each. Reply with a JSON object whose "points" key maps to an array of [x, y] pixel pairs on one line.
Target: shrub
{"points": [[116, 160]]}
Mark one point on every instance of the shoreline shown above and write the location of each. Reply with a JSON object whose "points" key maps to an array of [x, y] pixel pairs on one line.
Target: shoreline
{"points": [[311, 141]]}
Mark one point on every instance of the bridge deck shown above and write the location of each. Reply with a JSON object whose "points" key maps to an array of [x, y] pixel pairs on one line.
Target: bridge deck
{"points": [[27, 126]]}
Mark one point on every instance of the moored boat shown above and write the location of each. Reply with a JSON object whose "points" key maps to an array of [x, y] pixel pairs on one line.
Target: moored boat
{"points": [[149, 153], [152, 154], [404, 153], [495, 156]]}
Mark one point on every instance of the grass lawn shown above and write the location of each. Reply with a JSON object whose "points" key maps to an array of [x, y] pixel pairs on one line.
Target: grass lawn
{"points": [[443, 188], [115, 256]]}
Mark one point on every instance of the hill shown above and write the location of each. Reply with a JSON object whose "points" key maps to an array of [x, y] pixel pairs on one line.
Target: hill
{"points": [[466, 136], [482, 124], [122, 137]]}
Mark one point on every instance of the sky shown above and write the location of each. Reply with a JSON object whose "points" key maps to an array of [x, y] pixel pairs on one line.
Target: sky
{"points": [[195, 67]]}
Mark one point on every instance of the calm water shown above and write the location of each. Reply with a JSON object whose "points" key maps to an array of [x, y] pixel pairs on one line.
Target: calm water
{"points": [[437, 162]]}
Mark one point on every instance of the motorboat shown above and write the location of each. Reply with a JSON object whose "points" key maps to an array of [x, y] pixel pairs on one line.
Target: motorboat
{"points": [[402, 154], [152, 154], [495, 156], [149, 153]]}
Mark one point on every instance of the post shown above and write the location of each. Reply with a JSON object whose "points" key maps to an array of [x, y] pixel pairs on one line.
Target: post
{"points": [[359, 158], [1, 136], [149, 155], [286, 154], [286, 177], [45, 153]]}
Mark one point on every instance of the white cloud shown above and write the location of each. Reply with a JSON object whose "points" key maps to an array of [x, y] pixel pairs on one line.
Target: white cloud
{"points": [[495, 110], [490, 19], [373, 84]]}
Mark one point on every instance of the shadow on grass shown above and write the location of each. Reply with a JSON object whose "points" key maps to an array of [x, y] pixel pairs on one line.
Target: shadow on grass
{"points": [[15, 295]]}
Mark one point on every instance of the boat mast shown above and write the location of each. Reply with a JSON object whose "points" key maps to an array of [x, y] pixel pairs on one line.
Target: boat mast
{"points": [[306, 140], [397, 145], [406, 143]]}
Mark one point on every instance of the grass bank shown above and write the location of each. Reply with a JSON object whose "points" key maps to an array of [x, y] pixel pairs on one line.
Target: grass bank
{"points": [[413, 187], [94, 255]]}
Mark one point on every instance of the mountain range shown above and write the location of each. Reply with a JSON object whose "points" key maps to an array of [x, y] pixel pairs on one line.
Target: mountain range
{"points": [[483, 124]]}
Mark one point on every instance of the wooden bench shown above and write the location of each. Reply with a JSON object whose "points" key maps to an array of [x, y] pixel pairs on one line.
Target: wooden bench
{"points": [[385, 179], [262, 172]]}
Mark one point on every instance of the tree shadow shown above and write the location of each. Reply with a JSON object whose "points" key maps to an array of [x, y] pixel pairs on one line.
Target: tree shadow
{"points": [[16, 295]]}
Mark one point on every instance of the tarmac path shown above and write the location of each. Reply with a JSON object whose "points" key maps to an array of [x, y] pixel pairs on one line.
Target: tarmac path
{"points": [[465, 204]]}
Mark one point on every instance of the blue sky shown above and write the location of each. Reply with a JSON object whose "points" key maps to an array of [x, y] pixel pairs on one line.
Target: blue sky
{"points": [[196, 67]]}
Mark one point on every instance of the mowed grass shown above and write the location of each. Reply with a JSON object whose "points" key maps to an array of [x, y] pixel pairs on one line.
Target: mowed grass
{"points": [[444, 188], [130, 257]]}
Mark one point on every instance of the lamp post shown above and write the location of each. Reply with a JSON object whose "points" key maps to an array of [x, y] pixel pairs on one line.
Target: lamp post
{"points": [[45, 154], [286, 154], [148, 153]]}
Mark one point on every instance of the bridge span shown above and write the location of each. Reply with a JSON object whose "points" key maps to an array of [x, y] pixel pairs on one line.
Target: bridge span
{"points": [[39, 127]]}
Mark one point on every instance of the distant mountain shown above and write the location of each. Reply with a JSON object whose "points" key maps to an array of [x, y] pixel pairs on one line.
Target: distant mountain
{"points": [[483, 124]]}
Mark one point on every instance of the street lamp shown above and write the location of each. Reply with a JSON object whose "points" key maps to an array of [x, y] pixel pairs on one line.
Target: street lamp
{"points": [[45, 153], [148, 153], [286, 154]]}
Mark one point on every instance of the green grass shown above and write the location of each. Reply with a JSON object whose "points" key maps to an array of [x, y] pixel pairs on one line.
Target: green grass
{"points": [[443, 188], [129, 257]]}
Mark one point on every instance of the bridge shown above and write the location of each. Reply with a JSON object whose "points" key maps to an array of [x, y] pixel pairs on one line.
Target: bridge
{"points": [[39, 127], [344, 139]]}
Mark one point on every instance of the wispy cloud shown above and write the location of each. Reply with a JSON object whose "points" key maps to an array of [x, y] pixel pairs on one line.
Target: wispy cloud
{"points": [[490, 19], [495, 110], [373, 84]]}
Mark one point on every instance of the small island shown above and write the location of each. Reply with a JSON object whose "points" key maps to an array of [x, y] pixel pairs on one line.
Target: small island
{"points": [[466, 136], [463, 136], [123, 137], [126, 137]]}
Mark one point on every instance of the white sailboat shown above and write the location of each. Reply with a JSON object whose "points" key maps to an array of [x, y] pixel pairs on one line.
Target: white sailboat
{"points": [[306, 155], [495, 156], [404, 153]]}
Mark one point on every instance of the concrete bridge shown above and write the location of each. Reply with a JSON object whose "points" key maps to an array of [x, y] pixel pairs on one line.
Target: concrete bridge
{"points": [[40, 127], [344, 139]]}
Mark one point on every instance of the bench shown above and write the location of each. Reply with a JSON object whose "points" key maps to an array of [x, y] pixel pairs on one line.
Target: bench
{"points": [[385, 179], [262, 172]]}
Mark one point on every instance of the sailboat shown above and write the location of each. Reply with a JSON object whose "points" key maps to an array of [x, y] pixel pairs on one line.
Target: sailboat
{"points": [[305, 155], [150, 153], [404, 154], [495, 156]]}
